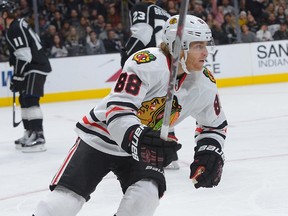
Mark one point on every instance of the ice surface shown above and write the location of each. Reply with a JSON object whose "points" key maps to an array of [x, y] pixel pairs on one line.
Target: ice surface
{"points": [[254, 182]]}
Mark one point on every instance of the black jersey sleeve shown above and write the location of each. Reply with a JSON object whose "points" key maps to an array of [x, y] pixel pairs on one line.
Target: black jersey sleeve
{"points": [[25, 48], [141, 30]]}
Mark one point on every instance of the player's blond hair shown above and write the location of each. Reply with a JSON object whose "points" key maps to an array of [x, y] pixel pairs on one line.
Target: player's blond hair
{"points": [[164, 48]]}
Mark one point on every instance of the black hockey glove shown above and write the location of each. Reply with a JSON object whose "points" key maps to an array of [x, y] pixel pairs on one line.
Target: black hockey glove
{"points": [[206, 169], [17, 83], [146, 146]]}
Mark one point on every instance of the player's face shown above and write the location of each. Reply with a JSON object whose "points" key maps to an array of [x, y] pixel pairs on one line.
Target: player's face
{"points": [[196, 56]]}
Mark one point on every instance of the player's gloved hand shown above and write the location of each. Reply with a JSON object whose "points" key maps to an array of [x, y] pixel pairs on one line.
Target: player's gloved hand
{"points": [[17, 83], [146, 146], [206, 169]]}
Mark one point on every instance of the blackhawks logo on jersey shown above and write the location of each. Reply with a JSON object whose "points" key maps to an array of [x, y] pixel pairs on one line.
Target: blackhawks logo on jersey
{"points": [[151, 112], [144, 57], [209, 75], [173, 21]]}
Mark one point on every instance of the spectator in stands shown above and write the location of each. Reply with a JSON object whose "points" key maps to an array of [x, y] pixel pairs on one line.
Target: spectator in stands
{"points": [[101, 8], [263, 34], [93, 18], [94, 46], [282, 33], [81, 29], [47, 38], [256, 7], [85, 12], [247, 36], [73, 42], [227, 7], [43, 6], [284, 4], [25, 8], [251, 23], [243, 19], [272, 23], [171, 7], [199, 10], [52, 9], [4, 53], [163, 4], [57, 20], [65, 29], [113, 16], [100, 25], [209, 20], [280, 15], [72, 5], [270, 9], [87, 32], [74, 18], [217, 12], [121, 33], [58, 49], [104, 34], [112, 44], [218, 35], [43, 26], [91, 4], [61, 6], [229, 28]]}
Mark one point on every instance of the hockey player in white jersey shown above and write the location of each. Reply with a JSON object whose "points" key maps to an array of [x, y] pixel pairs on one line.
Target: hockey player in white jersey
{"points": [[121, 134]]}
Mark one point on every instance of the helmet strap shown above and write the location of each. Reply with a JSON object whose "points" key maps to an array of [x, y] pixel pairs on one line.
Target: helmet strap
{"points": [[183, 62]]}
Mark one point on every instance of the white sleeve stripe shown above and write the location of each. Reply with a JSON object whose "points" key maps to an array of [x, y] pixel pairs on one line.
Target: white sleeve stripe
{"points": [[21, 27]]}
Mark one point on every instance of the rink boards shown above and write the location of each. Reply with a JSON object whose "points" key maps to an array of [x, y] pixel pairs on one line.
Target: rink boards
{"points": [[88, 77]]}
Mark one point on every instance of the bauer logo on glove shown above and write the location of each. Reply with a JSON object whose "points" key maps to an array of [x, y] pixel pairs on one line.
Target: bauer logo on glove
{"points": [[147, 147]]}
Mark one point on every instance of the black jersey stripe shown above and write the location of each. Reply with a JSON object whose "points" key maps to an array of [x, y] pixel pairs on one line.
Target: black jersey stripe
{"points": [[124, 104], [212, 132], [221, 126], [93, 116], [101, 136]]}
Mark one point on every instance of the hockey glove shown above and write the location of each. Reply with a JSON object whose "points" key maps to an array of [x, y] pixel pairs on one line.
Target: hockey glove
{"points": [[17, 83], [146, 146], [206, 169]]}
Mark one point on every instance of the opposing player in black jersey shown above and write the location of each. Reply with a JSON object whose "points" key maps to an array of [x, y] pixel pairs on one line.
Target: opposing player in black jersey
{"points": [[31, 67], [147, 21]]}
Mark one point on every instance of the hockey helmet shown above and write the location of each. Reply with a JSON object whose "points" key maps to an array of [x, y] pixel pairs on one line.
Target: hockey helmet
{"points": [[195, 29], [7, 5]]}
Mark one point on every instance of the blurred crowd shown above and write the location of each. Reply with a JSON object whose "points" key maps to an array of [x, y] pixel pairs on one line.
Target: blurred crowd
{"points": [[88, 27]]}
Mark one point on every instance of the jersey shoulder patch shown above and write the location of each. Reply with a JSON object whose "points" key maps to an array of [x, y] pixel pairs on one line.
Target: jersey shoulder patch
{"points": [[143, 57], [209, 75]]}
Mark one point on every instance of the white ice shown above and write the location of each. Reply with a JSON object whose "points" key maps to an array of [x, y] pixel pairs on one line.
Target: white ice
{"points": [[254, 181]]}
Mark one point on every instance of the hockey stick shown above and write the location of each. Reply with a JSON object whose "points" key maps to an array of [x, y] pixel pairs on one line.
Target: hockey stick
{"points": [[174, 70], [15, 124]]}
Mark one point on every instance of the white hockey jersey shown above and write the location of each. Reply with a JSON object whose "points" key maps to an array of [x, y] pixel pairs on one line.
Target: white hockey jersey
{"points": [[139, 97]]}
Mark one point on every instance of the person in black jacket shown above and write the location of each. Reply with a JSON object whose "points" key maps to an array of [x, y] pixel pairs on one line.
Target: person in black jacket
{"points": [[147, 21], [31, 67]]}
